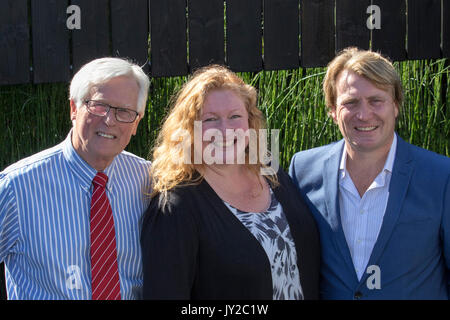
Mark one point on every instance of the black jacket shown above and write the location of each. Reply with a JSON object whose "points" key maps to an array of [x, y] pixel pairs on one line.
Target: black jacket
{"points": [[195, 248]]}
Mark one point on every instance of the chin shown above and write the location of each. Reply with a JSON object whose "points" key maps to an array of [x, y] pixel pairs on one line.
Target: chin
{"points": [[365, 147]]}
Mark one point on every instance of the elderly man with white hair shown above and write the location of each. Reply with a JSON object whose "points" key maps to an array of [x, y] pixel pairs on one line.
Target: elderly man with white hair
{"points": [[70, 215]]}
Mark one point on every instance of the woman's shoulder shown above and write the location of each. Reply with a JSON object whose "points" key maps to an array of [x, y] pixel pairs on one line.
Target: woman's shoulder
{"points": [[171, 208], [181, 196], [286, 189], [284, 180]]}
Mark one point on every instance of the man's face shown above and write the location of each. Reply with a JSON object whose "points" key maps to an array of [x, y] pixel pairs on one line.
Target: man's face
{"points": [[99, 139], [365, 114]]}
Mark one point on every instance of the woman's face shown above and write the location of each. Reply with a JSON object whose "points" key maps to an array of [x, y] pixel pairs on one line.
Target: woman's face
{"points": [[224, 120]]}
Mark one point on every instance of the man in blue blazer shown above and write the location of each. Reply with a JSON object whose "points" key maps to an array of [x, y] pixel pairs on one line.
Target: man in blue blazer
{"points": [[382, 205]]}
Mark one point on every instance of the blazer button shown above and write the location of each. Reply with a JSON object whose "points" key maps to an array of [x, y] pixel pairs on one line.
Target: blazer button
{"points": [[358, 295]]}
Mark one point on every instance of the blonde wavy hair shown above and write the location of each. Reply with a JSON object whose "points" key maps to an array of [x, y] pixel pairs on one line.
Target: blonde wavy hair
{"points": [[186, 107]]}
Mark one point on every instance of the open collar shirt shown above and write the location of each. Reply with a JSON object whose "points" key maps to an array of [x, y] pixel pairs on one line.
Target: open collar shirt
{"points": [[362, 217]]}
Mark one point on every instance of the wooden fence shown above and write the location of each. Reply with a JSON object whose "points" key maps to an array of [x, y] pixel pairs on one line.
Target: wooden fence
{"points": [[48, 40]]}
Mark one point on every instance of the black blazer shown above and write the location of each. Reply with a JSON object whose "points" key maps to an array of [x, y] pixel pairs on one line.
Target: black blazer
{"points": [[195, 248]]}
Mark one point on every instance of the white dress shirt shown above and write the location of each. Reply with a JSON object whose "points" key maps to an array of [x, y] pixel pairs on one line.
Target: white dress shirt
{"points": [[361, 218]]}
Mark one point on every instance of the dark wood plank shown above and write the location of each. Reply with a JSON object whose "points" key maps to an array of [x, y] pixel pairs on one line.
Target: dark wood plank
{"points": [[14, 42], [351, 27], [281, 34], [390, 39], [92, 40], [51, 58], [244, 35], [129, 28], [317, 32], [206, 32], [424, 29], [168, 48], [446, 29]]}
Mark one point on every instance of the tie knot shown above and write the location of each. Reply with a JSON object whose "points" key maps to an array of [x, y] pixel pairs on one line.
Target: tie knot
{"points": [[100, 179]]}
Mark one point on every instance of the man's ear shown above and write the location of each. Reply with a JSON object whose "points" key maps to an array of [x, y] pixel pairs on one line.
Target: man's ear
{"points": [[73, 110], [135, 125], [332, 114], [397, 110]]}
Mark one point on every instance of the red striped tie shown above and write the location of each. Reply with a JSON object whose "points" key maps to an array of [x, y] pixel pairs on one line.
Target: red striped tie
{"points": [[105, 273]]}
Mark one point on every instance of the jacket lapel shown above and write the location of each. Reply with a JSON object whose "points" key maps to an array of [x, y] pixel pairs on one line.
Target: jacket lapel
{"points": [[401, 175], [331, 186]]}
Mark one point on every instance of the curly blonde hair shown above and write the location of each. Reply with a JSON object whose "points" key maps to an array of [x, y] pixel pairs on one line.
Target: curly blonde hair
{"points": [[187, 104]]}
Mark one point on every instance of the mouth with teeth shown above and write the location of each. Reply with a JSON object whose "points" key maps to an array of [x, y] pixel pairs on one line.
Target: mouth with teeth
{"points": [[105, 135], [224, 144], [366, 129]]}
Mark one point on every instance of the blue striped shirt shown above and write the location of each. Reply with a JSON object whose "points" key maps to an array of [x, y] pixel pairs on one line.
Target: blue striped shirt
{"points": [[44, 223]]}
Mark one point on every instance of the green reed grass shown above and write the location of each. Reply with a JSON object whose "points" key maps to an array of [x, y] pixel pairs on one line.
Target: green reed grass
{"points": [[35, 117]]}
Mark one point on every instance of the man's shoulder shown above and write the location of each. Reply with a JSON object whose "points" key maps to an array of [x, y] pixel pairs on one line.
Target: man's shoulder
{"points": [[317, 153], [429, 159], [129, 157], [131, 168], [33, 162]]}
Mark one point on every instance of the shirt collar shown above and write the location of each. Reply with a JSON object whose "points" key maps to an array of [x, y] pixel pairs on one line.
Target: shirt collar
{"points": [[81, 169], [391, 156], [388, 165]]}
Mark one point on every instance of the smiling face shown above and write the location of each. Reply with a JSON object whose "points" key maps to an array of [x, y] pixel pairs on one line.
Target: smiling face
{"points": [[99, 139], [365, 114], [224, 111]]}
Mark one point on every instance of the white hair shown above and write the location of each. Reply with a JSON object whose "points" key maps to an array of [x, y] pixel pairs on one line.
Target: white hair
{"points": [[102, 70]]}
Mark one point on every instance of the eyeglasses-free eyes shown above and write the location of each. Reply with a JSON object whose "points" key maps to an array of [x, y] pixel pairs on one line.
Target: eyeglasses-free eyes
{"points": [[101, 109]]}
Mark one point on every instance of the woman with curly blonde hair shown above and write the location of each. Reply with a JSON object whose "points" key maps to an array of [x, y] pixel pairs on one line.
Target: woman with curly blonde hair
{"points": [[220, 224], [187, 108]]}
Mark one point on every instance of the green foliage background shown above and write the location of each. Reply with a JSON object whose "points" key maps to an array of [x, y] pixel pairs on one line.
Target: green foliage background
{"points": [[36, 117]]}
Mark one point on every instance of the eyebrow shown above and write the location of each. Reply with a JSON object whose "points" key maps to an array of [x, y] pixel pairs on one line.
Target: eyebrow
{"points": [[214, 113], [351, 98], [348, 99], [114, 105], [376, 96]]}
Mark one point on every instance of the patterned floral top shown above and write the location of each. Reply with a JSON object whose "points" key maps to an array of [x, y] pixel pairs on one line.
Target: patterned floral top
{"points": [[272, 231]]}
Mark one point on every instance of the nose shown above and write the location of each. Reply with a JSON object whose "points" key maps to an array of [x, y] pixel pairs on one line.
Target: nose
{"points": [[230, 126], [363, 111], [110, 118]]}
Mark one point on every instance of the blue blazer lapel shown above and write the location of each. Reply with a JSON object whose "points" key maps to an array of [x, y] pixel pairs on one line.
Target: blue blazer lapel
{"points": [[331, 186], [401, 175]]}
